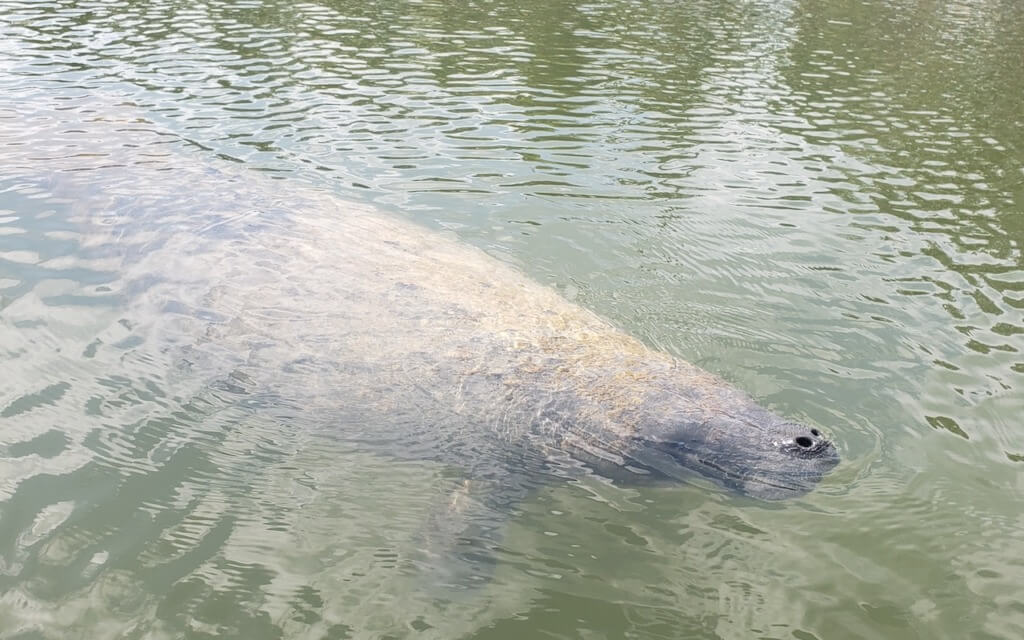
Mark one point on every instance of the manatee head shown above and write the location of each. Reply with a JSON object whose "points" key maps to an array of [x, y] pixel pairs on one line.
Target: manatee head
{"points": [[745, 448]]}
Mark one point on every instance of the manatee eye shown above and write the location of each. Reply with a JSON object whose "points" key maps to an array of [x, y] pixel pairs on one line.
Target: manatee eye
{"points": [[815, 432], [804, 441]]}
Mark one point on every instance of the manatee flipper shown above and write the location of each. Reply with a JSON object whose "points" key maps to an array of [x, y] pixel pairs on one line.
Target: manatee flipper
{"points": [[460, 542], [456, 543]]}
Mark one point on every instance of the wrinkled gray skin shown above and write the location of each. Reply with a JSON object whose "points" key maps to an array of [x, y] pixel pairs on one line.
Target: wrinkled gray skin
{"points": [[420, 346]]}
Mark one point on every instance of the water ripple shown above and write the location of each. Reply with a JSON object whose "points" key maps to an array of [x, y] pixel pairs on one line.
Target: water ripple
{"points": [[819, 201]]}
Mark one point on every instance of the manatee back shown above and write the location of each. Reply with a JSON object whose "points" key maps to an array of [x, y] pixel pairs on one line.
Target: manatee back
{"points": [[370, 323]]}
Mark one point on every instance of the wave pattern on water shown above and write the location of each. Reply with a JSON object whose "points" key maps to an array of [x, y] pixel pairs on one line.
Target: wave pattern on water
{"points": [[820, 201]]}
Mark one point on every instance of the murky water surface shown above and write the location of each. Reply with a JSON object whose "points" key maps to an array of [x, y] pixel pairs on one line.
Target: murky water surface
{"points": [[822, 202]]}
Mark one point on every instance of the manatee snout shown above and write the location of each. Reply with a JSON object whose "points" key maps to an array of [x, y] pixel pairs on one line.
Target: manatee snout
{"points": [[748, 449], [795, 459], [806, 442]]}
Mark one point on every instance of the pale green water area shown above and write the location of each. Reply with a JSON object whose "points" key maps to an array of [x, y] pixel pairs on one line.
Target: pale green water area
{"points": [[822, 202]]}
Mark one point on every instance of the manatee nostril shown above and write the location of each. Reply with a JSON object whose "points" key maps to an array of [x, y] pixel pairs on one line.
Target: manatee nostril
{"points": [[804, 442], [815, 432]]}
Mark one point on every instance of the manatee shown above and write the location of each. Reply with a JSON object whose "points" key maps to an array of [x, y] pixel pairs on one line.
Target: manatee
{"points": [[404, 341], [421, 346]]}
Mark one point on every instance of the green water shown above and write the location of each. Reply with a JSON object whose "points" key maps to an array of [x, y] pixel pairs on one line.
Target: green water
{"points": [[822, 202]]}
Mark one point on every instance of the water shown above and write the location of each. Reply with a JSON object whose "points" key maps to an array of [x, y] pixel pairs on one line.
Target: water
{"points": [[820, 202]]}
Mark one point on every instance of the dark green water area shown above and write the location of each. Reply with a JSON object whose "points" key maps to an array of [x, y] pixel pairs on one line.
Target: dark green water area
{"points": [[821, 202]]}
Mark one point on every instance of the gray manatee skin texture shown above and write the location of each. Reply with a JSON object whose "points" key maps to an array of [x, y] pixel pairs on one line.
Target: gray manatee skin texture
{"points": [[421, 346]]}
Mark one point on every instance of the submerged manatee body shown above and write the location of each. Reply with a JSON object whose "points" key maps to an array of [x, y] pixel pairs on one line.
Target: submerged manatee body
{"points": [[227, 291], [423, 347], [387, 333], [390, 335]]}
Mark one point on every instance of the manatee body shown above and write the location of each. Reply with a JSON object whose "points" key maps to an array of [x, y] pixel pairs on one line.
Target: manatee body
{"points": [[420, 346]]}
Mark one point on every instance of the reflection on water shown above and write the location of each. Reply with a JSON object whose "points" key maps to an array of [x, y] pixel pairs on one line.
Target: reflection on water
{"points": [[821, 202]]}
